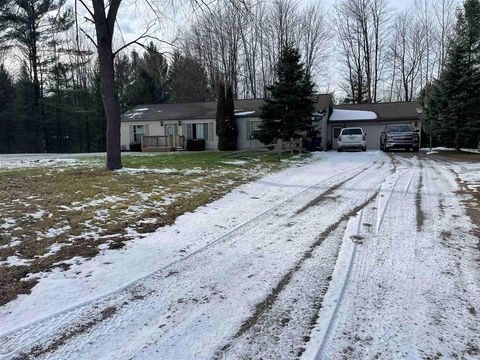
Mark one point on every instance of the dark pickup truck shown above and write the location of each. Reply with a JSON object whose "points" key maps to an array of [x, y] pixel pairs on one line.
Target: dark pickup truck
{"points": [[399, 137]]}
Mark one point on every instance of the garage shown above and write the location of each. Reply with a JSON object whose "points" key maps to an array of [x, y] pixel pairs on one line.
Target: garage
{"points": [[372, 118]]}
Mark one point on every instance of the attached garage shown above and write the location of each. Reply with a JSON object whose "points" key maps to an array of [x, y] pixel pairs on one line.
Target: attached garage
{"points": [[372, 118]]}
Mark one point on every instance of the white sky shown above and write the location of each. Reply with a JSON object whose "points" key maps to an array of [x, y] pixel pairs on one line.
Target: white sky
{"points": [[134, 15]]}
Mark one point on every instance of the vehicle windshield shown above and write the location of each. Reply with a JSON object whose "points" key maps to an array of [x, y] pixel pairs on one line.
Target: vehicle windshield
{"points": [[352, 132], [400, 128]]}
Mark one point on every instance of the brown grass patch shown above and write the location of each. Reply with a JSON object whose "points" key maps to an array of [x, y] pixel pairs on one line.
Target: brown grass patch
{"points": [[88, 206]]}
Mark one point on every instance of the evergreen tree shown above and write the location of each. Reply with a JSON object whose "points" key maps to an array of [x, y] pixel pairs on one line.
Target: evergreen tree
{"points": [[155, 64], [27, 131], [124, 76], [141, 79], [143, 90], [7, 115], [228, 140], [220, 118], [452, 110], [30, 24], [188, 81], [288, 111], [58, 106]]}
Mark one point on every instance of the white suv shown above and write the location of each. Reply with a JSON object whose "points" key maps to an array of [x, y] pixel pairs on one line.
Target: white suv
{"points": [[351, 138]]}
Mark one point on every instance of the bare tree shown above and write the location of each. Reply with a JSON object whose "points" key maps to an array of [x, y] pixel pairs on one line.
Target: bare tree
{"points": [[284, 23], [315, 36], [361, 28], [380, 24], [444, 14], [408, 49]]}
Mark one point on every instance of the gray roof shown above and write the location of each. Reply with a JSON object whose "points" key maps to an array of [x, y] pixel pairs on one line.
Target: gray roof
{"points": [[201, 110], [388, 111]]}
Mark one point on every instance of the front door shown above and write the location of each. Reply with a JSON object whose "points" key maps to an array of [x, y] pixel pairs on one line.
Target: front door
{"points": [[335, 134], [171, 131]]}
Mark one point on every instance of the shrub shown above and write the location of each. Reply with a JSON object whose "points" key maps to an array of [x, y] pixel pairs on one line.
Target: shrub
{"points": [[195, 144], [135, 147]]}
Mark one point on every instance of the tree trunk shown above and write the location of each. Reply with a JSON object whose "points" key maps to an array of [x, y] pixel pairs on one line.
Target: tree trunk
{"points": [[110, 103], [104, 27]]}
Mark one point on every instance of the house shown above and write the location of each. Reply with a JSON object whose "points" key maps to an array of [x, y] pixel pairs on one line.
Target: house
{"points": [[163, 127], [169, 126]]}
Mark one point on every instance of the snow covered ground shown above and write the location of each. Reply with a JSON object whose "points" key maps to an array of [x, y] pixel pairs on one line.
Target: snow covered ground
{"points": [[353, 255]]}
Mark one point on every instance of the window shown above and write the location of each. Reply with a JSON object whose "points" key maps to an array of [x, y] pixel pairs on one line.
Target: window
{"points": [[200, 131], [400, 128], [138, 132], [353, 131], [253, 130]]}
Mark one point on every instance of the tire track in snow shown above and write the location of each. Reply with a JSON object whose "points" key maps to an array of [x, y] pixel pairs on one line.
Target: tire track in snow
{"points": [[409, 305], [30, 334], [344, 273], [261, 312], [262, 307], [418, 204]]}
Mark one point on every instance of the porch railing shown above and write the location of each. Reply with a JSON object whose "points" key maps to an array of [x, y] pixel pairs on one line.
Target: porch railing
{"points": [[162, 143]]}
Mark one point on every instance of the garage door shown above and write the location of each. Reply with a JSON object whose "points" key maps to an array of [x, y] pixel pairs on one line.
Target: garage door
{"points": [[373, 135]]}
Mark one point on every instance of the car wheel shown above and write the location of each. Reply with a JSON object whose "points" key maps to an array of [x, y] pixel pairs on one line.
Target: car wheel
{"points": [[415, 149]]}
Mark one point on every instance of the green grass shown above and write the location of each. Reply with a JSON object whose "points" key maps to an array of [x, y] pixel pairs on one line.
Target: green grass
{"points": [[90, 206]]}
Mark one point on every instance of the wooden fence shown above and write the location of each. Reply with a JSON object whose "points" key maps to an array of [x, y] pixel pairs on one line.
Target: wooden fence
{"points": [[288, 146]]}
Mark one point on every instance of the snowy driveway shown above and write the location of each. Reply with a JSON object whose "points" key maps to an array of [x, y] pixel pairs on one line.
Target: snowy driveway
{"points": [[373, 252]]}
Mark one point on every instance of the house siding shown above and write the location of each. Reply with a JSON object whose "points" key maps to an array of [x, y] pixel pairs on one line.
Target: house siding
{"points": [[243, 141], [155, 128]]}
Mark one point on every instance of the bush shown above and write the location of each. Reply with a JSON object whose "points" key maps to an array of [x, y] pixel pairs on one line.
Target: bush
{"points": [[135, 147], [196, 145]]}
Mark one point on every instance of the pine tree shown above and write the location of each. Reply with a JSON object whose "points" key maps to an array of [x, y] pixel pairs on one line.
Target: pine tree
{"points": [[7, 96], [229, 127], [28, 131], [187, 80], [287, 113], [124, 77], [453, 107], [30, 24], [155, 64], [220, 118]]}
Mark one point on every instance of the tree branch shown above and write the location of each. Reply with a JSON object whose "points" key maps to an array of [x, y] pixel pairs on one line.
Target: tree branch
{"points": [[86, 8], [144, 35], [89, 37]]}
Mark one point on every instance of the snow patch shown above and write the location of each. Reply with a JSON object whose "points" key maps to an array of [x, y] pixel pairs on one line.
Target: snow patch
{"points": [[15, 261], [8, 223], [37, 215], [235, 162], [346, 115]]}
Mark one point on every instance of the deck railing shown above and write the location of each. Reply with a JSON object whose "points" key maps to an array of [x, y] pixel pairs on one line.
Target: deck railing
{"points": [[162, 143]]}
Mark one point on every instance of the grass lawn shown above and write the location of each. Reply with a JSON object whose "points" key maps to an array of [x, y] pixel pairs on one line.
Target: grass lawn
{"points": [[51, 214]]}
